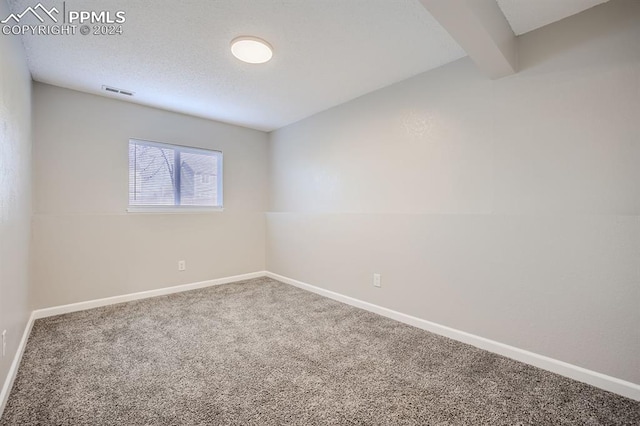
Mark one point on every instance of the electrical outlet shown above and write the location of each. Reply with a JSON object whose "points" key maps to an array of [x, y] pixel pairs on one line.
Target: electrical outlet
{"points": [[4, 342], [182, 265], [376, 280]]}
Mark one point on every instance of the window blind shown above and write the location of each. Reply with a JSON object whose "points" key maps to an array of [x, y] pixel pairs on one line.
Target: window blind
{"points": [[172, 175]]}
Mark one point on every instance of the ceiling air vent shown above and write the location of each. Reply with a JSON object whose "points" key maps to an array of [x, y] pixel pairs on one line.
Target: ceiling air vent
{"points": [[117, 91]]}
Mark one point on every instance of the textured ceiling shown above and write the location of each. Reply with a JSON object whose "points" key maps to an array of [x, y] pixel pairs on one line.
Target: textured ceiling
{"points": [[175, 54], [528, 15]]}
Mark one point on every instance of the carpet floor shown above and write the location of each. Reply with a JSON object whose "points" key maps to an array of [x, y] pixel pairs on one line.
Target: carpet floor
{"points": [[261, 352]]}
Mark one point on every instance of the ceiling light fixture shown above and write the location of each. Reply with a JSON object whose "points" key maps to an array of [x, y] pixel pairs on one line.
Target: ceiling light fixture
{"points": [[251, 49]]}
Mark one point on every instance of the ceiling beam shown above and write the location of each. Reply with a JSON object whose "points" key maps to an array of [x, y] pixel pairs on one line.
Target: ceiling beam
{"points": [[481, 29]]}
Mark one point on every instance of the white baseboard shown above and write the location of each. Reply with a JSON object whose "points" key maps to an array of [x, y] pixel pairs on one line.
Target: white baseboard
{"points": [[602, 381], [13, 370], [90, 304]]}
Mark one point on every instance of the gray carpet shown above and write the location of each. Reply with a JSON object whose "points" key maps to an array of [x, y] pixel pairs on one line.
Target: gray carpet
{"points": [[264, 353]]}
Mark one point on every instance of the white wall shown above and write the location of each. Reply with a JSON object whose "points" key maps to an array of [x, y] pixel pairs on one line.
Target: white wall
{"points": [[86, 245], [15, 192], [508, 209]]}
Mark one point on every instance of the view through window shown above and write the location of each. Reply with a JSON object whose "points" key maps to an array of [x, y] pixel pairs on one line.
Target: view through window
{"points": [[172, 175]]}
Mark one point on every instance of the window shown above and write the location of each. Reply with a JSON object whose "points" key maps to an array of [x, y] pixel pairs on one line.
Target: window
{"points": [[163, 175]]}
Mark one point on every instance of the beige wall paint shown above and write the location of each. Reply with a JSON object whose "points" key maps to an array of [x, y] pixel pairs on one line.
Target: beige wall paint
{"points": [[15, 192], [508, 209], [86, 246]]}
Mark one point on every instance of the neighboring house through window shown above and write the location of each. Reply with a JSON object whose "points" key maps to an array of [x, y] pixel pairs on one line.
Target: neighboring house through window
{"points": [[163, 175]]}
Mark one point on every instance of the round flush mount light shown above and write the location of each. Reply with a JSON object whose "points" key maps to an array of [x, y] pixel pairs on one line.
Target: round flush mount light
{"points": [[251, 49]]}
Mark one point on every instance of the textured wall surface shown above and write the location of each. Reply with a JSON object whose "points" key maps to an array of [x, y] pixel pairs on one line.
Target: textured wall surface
{"points": [[15, 192], [86, 245], [508, 209]]}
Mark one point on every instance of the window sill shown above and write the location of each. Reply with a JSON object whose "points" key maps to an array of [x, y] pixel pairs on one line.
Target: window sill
{"points": [[173, 210]]}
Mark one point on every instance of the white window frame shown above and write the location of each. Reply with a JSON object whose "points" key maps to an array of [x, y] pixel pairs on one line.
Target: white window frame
{"points": [[180, 208]]}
